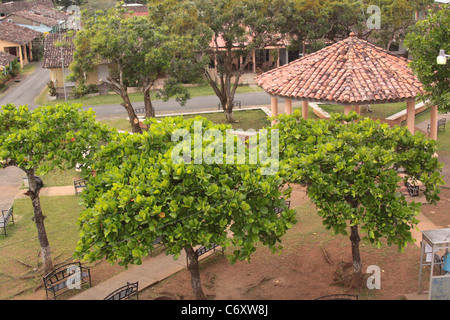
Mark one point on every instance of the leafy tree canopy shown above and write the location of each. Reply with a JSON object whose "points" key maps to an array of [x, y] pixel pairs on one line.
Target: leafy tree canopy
{"points": [[424, 42], [351, 168]]}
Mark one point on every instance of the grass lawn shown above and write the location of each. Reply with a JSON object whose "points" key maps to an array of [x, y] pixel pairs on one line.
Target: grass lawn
{"points": [[379, 111], [247, 119], [20, 249], [135, 97]]}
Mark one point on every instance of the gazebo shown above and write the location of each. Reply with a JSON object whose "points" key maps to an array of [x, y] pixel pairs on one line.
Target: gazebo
{"points": [[351, 72]]}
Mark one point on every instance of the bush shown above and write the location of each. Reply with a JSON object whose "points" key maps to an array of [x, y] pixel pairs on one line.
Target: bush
{"points": [[82, 90], [15, 69], [52, 88], [3, 80]]}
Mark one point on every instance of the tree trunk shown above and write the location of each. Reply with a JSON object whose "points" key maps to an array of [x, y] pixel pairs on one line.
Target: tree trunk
{"points": [[149, 109], [355, 239], [134, 121], [192, 265], [229, 114], [38, 219]]}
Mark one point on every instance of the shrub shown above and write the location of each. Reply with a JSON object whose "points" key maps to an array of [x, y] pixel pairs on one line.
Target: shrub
{"points": [[52, 88]]}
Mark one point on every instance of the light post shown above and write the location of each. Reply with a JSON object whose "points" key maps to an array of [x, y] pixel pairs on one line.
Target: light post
{"points": [[442, 57]]}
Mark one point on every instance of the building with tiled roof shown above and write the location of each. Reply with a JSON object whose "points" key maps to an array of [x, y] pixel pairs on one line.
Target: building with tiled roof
{"points": [[58, 55], [52, 51], [137, 9], [18, 41], [5, 61], [33, 21], [351, 72], [14, 6]]}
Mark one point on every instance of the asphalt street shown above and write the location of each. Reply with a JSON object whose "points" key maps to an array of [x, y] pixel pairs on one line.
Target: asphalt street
{"points": [[193, 105], [29, 87]]}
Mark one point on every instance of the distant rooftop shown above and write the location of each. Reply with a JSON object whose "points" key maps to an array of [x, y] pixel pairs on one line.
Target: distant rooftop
{"points": [[17, 34]]}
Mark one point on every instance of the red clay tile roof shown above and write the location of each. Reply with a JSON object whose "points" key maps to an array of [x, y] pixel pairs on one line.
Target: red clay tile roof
{"points": [[52, 52], [17, 34], [14, 6], [50, 22], [6, 58], [49, 12], [352, 71]]}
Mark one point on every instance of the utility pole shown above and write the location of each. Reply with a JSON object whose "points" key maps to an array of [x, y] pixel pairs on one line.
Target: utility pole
{"points": [[63, 70]]}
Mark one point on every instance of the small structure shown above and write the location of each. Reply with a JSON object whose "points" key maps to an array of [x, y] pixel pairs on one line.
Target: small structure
{"points": [[17, 41], [351, 72], [6, 61], [58, 55], [434, 253]]}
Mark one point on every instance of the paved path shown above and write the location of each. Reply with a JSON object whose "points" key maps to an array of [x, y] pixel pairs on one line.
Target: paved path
{"points": [[29, 87]]}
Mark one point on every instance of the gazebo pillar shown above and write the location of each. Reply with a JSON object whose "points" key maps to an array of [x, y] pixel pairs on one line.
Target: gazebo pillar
{"points": [[347, 109], [358, 109], [433, 122], [274, 108], [287, 106], [305, 110], [411, 116]]}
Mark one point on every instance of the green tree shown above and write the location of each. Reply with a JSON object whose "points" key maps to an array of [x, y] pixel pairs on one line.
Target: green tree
{"points": [[350, 170], [226, 33], [41, 140], [424, 42], [137, 50], [396, 16], [140, 192]]}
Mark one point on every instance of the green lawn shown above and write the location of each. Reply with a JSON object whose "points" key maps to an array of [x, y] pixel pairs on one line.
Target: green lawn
{"points": [[20, 249], [379, 111], [247, 119]]}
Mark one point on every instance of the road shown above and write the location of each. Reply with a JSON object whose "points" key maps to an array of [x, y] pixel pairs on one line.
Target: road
{"points": [[193, 105], [29, 87]]}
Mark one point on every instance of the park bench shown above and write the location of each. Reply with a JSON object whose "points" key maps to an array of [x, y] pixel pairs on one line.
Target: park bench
{"points": [[156, 244], [126, 292], [65, 277], [204, 249], [139, 110], [235, 104], [440, 124], [412, 190], [6, 217], [79, 185]]}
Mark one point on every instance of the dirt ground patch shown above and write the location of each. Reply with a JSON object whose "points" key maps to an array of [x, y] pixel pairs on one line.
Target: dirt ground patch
{"points": [[307, 268], [310, 264]]}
